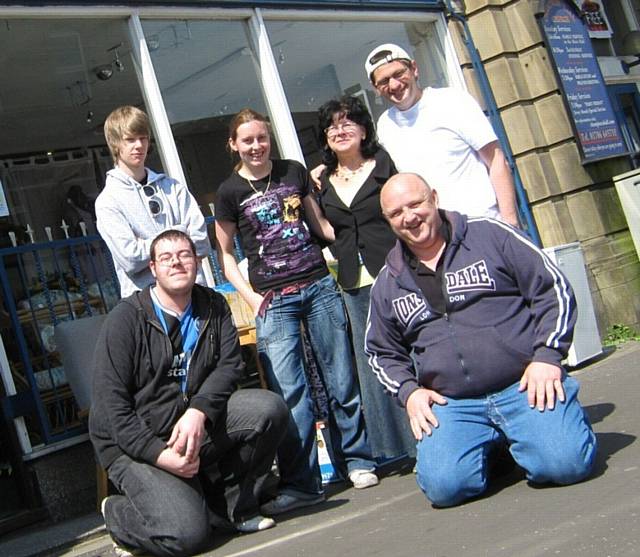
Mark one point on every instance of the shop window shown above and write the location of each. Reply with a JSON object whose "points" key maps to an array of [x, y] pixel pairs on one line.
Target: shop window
{"points": [[620, 24], [66, 76], [61, 79], [206, 74], [321, 60]]}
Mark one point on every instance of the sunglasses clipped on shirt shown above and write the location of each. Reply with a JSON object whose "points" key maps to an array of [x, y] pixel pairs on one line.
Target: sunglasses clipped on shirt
{"points": [[154, 200]]}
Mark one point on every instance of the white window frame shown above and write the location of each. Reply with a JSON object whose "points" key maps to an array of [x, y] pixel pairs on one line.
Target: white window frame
{"points": [[266, 69], [266, 66]]}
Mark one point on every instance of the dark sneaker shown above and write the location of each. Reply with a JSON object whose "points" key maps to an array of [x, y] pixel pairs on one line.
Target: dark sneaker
{"points": [[119, 550], [285, 502], [255, 524]]}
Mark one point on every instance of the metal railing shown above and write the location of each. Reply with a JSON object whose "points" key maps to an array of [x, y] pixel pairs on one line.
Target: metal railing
{"points": [[43, 284]]}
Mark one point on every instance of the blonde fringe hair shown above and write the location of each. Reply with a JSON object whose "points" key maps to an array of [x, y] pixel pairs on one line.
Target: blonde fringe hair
{"points": [[122, 122]]}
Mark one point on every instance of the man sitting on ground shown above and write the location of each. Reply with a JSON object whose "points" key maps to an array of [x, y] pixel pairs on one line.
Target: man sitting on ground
{"points": [[183, 447]]}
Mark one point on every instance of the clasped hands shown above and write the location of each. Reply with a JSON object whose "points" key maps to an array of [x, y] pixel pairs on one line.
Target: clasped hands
{"points": [[542, 381], [181, 457]]}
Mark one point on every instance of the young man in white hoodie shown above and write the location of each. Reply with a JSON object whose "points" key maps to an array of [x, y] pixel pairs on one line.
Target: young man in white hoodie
{"points": [[137, 204]]}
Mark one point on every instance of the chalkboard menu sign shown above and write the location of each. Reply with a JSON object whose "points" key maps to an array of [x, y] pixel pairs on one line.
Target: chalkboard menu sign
{"points": [[596, 127]]}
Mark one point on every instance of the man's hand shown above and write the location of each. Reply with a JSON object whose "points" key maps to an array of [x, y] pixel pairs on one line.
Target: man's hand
{"points": [[543, 382], [177, 464], [421, 417], [188, 433], [315, 174]]}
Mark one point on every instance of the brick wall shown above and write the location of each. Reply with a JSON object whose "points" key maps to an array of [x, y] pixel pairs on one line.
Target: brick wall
{"points": [[570, 202]]}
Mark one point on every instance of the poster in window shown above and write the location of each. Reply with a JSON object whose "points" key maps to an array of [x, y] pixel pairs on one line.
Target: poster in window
{"points": [[4, 207], [596, 20]]}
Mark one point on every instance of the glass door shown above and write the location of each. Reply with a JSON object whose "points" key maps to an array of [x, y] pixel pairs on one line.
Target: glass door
{"points": [[625, 100], [206, 74]]}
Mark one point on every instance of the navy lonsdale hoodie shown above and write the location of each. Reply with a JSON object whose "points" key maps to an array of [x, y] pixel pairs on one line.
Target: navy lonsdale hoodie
{"points": [[507, 304]]}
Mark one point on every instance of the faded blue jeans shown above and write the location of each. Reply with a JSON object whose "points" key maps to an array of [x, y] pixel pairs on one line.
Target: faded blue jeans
{"points": [[320, 308], [554, 446], [387, 422]]}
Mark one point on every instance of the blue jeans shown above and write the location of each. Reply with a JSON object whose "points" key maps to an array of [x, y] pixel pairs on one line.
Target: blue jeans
{"points": [[320, 308], [554, 446], [171, 516], [388, 427]]}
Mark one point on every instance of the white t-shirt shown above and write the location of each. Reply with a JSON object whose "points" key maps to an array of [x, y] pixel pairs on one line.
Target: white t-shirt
{"points": [[437, 138]]}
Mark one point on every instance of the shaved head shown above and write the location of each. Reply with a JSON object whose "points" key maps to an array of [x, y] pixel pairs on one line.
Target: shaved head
{"points": [[411, 208], [400, 181]]}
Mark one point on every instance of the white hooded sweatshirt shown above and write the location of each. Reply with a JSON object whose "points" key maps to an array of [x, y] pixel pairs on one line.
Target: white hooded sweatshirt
{"points": [[127, 225]]}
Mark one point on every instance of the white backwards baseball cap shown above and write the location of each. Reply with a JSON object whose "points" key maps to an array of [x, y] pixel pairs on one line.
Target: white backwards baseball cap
{"points": [[384, 54]]}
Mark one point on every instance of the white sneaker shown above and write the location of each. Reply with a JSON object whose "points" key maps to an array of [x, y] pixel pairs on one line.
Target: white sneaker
{"points": [[122, 552], [255, 524], [103, 504], [362, 479]]}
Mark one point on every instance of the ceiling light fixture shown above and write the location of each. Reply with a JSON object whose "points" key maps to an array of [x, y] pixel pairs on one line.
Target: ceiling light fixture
{"points": [[117, 64], [104, 72]]}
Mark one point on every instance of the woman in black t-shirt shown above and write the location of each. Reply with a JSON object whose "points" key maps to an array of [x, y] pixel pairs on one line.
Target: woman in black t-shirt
{"points": [[269, 203]]}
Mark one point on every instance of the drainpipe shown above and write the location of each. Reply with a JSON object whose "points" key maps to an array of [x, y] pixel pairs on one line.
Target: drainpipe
{"points": [[526, 217]]}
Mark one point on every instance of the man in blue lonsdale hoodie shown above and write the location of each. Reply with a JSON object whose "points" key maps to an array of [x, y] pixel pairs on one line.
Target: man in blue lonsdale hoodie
{"points": [[468, 325], [137, 203]]}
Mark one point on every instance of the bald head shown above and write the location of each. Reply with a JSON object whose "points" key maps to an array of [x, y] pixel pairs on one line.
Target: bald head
{"points": [[411, 208], [401, 182]]}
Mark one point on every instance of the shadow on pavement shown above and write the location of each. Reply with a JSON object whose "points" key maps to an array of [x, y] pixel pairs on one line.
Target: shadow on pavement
{"points": [[609, 443], [598, 412]]}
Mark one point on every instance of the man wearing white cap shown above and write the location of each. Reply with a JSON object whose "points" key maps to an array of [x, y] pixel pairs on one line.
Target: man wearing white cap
{"points": [[442, 135]]}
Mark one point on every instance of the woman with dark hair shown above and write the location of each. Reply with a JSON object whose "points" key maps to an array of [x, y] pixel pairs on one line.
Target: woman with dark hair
{"points": [[269, 202], [356, 167]]}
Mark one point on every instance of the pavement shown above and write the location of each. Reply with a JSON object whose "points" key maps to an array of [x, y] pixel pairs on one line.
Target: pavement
{"points": [[599, 517]]}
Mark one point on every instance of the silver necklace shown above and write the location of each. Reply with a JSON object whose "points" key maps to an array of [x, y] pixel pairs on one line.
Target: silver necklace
{"points": [[257, 191]]}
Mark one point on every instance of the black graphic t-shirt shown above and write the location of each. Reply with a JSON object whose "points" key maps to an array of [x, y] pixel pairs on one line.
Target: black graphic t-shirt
{"points": [[274, 234]]}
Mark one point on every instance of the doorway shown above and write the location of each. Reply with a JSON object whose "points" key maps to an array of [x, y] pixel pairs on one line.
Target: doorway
{"points": [[625, 100]]}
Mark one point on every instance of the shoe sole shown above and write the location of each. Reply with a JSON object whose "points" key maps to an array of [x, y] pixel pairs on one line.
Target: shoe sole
{"points": [[300, 504]]}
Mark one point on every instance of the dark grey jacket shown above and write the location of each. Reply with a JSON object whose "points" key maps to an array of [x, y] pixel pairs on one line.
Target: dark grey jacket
{"points": [[136, 402]]}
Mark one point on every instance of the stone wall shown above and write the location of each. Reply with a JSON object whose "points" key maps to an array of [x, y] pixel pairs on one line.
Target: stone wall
{"points": [[570, 202]]}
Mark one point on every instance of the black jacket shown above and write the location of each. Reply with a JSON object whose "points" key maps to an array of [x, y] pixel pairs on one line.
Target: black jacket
{"points": [[135, 402], [360, 228]]}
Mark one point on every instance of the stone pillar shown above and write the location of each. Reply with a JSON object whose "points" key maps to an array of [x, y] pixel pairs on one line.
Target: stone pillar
{"points": [[570, 202]]}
